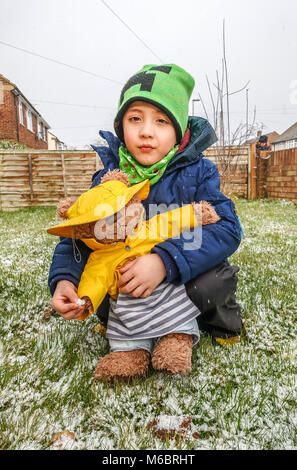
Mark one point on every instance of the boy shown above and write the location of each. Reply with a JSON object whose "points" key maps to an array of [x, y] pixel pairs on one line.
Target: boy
{"points": [[163, 144]]}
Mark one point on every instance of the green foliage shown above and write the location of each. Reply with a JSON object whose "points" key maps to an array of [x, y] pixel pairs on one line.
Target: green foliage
{"points": [[8, 144]]}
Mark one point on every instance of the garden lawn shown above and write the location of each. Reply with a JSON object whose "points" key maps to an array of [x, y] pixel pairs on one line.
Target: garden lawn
{"points": [[238, 397]]}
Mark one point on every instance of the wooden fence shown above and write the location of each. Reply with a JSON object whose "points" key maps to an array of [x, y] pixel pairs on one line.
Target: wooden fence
{"points": [[42, 177], [234, 168]]}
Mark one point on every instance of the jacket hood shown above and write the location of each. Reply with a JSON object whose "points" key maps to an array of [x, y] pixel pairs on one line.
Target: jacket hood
{"points": [[202, 137]]}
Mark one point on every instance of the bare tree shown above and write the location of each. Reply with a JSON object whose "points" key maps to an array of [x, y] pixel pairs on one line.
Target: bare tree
{"points": [[229, 147]]}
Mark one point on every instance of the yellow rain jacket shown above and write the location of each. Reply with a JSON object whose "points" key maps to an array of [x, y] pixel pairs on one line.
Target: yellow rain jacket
{"points": [[101, 272]]}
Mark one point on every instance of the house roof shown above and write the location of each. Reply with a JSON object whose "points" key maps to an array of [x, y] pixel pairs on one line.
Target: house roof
{"points": [[18, 92], [6, 80], [289, 134]]}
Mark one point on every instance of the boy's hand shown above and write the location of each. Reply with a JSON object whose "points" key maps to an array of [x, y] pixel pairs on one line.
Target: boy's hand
{"points": [[142, 275], [64, 301]]}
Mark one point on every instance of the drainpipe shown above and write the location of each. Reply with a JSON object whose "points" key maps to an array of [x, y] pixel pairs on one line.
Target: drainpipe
{"points": [[16, 115]]}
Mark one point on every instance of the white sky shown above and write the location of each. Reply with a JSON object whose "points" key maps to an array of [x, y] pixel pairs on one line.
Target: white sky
{"points": [[261, 47]]}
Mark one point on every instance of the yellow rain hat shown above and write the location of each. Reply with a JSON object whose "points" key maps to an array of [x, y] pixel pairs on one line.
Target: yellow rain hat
{"points": [[99, 202]]}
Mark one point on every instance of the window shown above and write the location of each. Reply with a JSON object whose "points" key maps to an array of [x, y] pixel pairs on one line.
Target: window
{"points": [[21, 115], [277, 147], [290, 144], [40, 130], [29, 120]]}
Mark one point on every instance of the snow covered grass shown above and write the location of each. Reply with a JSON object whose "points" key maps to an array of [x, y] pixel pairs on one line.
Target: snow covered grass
{"points": [[238, 397]]}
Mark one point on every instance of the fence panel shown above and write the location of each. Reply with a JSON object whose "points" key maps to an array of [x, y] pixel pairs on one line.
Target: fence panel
{"points": [[42, 178], [233, 166]]}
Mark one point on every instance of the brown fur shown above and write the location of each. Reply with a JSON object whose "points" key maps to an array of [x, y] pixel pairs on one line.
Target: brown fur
{"points": [[116, 175], [122, 365], [205, 213], [88, 305], [173, 353], [87, 230], [84, 231], [63, 207]]}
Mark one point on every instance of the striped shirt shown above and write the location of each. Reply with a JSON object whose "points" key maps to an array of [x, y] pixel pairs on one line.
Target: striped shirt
{"points": [[167, 308]]}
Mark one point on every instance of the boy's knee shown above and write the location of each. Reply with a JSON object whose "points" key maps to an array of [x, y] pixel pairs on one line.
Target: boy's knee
{"points": [[214, 287]]}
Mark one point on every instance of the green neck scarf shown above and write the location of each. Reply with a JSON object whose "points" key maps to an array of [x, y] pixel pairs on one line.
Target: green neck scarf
{"points": [[137, 172]]}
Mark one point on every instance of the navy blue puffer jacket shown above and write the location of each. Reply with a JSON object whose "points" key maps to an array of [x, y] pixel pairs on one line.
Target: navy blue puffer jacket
{"points": [[189, 177]]}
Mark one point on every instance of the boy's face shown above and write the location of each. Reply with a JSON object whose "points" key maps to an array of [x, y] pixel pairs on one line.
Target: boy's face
{"points": [[148, 132]]}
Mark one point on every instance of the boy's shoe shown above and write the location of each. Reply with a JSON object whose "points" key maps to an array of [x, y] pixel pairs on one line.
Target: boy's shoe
{"points": [[223, 337], [227, 341], [101, 329]]}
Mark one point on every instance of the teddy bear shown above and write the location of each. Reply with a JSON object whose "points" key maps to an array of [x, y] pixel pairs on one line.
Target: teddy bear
{"points": [[109, 219]]}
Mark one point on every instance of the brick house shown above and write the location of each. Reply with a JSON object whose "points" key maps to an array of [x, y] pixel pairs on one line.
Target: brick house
{"points": [[54, 143], [19, 120], [287, 140]]}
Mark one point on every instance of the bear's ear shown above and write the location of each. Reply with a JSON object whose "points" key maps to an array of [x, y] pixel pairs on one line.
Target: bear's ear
{"points": [[116, 175], [63, 207]]}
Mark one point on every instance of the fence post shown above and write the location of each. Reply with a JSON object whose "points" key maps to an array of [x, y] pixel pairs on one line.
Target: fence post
{"points": [[64, 174], [30, 177], [252, 183]]}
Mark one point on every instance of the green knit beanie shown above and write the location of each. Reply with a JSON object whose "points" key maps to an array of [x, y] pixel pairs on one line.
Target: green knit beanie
{"points": [[168, 87]]}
